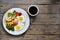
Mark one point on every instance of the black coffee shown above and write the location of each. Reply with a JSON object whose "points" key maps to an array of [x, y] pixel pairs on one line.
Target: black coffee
{"points": [[33, 10]]}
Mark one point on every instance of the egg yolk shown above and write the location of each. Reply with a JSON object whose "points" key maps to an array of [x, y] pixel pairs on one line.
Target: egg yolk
{"points": [[21, 18], [18, 27]]}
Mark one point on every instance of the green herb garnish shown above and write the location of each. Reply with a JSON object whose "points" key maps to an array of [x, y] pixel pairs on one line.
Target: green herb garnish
{"points": [[11, 14], [14, 11]]}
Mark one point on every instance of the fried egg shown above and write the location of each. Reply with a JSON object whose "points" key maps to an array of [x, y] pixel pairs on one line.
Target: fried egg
{"points": [[18, 27], [21, 21], [21, 18]]}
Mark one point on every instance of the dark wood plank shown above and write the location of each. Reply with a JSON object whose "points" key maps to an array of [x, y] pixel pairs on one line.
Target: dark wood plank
{"points": [[31, 37], [44, 29], [55, 8], [46, 19], [4, 7], [43, 9], [26, 1]]}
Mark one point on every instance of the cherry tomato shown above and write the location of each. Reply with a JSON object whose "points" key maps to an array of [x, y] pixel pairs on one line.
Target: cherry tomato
{"points": [[18, 14], [15, 23]]}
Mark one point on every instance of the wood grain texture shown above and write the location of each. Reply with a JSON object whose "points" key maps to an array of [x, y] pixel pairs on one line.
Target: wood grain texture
{"points": [[25, 1], [44, 29], [56, 9], [46, 19], [32, 37], [43, 9]]}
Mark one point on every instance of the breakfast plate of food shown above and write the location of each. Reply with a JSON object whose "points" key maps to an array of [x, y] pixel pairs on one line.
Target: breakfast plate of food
{"points": [[16, 21]]}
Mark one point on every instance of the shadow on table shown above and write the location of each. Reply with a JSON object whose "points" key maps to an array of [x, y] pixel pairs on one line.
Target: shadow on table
{"points": [[32, 19]]}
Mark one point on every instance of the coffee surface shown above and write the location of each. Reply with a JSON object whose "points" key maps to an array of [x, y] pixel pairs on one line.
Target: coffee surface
{"points": [[33, 10]]}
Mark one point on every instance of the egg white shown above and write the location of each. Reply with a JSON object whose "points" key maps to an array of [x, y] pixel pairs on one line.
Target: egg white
{"points": [[20, 22], [22, 17]]}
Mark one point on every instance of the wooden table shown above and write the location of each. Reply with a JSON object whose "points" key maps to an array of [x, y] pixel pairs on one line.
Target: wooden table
{"points": [[45, 26]]}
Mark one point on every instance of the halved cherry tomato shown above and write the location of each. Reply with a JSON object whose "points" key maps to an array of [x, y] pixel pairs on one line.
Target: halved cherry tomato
{"points": [[18, 14], [15, 23]]}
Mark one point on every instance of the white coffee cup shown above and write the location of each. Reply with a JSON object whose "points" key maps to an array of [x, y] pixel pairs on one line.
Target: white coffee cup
{"points": [[33, 6]]}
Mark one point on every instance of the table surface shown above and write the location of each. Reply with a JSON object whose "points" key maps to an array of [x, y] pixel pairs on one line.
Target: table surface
{"points": [[45, 26]]}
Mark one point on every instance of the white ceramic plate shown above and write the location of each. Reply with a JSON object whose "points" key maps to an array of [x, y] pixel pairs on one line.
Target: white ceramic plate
{"points": [[27, 20]]}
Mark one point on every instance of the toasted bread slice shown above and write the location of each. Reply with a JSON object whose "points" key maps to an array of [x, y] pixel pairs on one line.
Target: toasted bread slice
{"points": [[9, 18]]}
